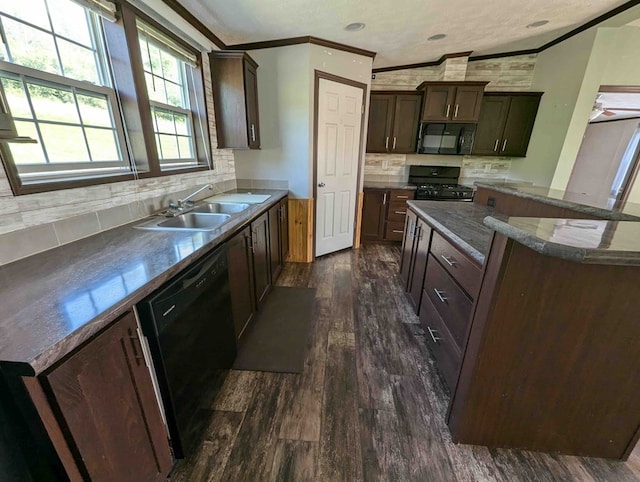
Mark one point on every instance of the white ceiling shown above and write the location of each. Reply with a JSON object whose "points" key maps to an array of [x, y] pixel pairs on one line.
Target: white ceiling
{"points": [[398, 30]]}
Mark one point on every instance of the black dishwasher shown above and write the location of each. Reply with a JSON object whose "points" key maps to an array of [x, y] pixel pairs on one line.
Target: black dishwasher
{"points": [[189, 326]]}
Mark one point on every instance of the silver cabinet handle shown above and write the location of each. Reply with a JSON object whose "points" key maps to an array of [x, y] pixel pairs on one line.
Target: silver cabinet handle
{"points": [[433, 334], [448, 110], [321, 184], [402, 197], [439, 295], [384, 199], [411, 231], [495, 146], [504, 145], [455, 113], [394, 143], [450, 261], [386, 144], [396, 231], [253, 132], [400, 212]]}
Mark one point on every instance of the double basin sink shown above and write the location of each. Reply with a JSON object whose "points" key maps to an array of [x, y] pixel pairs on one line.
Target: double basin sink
{"points": [[205, 217]]}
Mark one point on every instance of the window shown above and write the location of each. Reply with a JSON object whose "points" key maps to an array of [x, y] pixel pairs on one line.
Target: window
{"points": [[55, 77], [168, 71]]}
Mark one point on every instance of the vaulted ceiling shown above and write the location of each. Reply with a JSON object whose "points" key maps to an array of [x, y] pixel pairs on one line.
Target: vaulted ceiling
{"points": [[398, 29]]}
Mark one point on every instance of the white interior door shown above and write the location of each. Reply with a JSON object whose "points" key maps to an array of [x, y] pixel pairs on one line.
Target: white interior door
{"points": [[339, 120]]}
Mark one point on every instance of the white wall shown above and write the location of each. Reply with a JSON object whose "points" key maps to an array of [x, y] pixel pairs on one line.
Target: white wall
{"points": [[286, 98]]}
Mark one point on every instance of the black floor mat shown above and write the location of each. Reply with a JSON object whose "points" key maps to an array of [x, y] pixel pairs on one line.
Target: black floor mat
{"points": [[276, 340]]}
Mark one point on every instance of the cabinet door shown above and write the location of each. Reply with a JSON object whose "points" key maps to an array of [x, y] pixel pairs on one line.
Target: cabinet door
{"points": [[408, 245], [519, 125], [405, 123], [423, 238], [284, 228], [261, 261], [275, 242], [251, 99], [381, 109], [438, 103], [240, 261], [105, 396], [374, 207], [488, 139], [468, 103]]}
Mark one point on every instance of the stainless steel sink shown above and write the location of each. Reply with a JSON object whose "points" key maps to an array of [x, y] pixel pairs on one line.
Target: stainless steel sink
{"points": [[187, 222], [224, 208]]}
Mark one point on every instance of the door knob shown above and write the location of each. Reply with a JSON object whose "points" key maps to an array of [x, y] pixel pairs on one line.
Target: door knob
{"points": [[322, 184]]}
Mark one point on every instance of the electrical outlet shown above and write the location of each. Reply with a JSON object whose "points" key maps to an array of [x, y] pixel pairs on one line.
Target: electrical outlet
{"points": [[385, 164]]}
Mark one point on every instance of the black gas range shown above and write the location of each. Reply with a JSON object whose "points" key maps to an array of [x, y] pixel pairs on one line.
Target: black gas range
{"points": [[438, 183]]}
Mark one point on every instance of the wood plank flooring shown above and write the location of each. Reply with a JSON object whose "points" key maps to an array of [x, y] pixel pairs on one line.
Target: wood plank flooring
{"points": [[369, 405]]}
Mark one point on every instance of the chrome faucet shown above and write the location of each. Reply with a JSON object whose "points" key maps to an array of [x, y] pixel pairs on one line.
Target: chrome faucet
{"points": [[176, 208]]}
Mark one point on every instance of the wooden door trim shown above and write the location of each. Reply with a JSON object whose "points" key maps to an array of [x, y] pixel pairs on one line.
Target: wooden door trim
{"points": [[319, 74]]}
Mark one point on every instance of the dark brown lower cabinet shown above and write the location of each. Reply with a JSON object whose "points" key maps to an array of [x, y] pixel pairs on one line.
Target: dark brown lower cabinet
{"points": [[105, 396], [261, 256], [243, 298], [374, 206], [422, 240], [284, 228], [275, 241], [408, 248]]}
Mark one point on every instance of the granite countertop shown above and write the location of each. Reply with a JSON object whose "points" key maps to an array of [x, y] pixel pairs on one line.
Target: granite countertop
{"points": [[54, 301], [599, 207], [579, 240], [388, 185], [461, 223]]}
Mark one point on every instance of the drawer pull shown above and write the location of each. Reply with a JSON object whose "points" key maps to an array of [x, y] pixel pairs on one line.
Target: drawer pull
{"points": [[433, 334], [401, 212], [402, 197], [450, 261], [397, 231], [439, 295]]}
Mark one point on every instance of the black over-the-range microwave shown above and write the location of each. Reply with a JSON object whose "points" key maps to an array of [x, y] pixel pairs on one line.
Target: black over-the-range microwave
{"points": [[439, 138]]}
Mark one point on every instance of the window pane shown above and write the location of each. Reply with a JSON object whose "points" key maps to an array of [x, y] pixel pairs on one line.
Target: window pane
{"points": [[102, 144], [169, 147], [155, 88], [31, 47], [182, 126], [27, 153], [16, 98], [53, 104], [32, 11], [69, 20], [170, 67], [78, 63], [186, 148], [164, 121], [174, 94], [94, 111], [64, 143]]}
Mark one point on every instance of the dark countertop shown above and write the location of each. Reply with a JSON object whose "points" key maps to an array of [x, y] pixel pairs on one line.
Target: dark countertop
{"points": [[54, 301], [599, 207], [388, 185], [459, 222], [579, 240]]}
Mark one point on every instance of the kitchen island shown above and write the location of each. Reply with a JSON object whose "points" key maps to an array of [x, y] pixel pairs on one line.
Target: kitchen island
{"points": [[533, 324]]}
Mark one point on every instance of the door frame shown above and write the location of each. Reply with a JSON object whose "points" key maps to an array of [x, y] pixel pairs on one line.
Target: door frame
{"points": [[319, 74]]}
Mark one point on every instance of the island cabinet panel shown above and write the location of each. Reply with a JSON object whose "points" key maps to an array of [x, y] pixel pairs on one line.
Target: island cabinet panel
{"points": [[423, 239], [261, 256], [461, 268], [241, 284], [519, 206], [106, 399], [408, 248], [551, 361]]}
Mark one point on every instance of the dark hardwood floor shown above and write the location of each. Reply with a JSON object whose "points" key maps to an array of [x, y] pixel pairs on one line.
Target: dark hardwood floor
{"points": [[369, 405]]}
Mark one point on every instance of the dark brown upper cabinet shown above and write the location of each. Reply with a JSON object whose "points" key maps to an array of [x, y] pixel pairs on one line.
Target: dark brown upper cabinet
{"points": [[235, 94], [505, 124], [452, 101], [393, 122]]}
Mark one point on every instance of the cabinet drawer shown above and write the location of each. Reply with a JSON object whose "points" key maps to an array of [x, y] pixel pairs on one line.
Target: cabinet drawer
{"points": [[449, 300], [400, 195], [395, 231], [397, 212], [461, 268], [440, 342]]}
